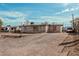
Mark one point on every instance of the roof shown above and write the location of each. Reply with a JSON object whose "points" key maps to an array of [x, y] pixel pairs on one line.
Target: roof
{"points": [[44, 25]]}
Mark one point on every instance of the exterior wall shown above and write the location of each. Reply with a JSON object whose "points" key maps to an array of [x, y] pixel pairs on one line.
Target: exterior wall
{"points": [[26, 29], [31, 29], [58, 28], [41, 28], [54, 28]]}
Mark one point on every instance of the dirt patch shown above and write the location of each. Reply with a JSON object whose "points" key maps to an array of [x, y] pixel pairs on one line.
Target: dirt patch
{"points": [[71, 45]]}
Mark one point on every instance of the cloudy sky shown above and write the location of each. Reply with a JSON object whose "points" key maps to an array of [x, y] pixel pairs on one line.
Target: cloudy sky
{"points": [[17, 13]]}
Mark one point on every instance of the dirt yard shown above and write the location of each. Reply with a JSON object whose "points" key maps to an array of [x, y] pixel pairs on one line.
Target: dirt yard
{"points": [[43, 44], [71, 45]]}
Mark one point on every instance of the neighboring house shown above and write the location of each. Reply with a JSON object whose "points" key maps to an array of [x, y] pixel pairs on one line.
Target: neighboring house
{"points": [[41, 28], [8, 29]]}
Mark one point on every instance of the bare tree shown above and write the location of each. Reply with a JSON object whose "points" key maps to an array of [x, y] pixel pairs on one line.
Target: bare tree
{"points": [[76, 24], [1, 23]]}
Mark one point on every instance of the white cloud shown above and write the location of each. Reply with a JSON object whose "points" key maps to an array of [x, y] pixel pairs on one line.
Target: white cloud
{"points": [[12, 14], [55, 19], [11, 22], [68, 10], [18, 17]]}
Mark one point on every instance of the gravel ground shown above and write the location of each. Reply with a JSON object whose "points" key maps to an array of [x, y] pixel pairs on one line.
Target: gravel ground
{"points": [[43, 44]]}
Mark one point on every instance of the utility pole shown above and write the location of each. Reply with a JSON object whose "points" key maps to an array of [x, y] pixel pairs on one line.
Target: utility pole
{"points": [[73, 20]]}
